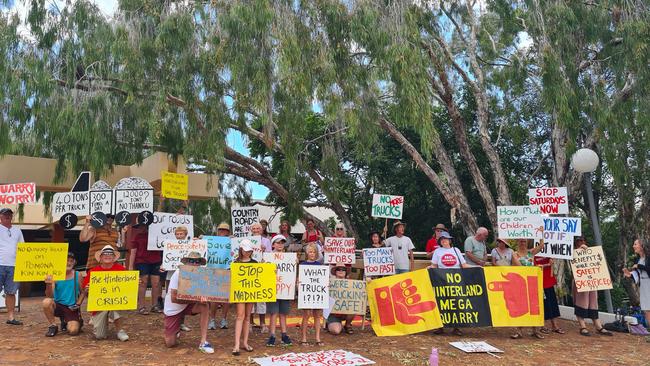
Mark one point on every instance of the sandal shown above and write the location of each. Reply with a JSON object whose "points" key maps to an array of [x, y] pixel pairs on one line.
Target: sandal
{"points": [[320, 343], [235, 352], [544, 330], [14, 322], [559, 331], [537, 335], [348, 330], [516, 336], [143, 311], [604, 331], [248, 349], [585, 332]]}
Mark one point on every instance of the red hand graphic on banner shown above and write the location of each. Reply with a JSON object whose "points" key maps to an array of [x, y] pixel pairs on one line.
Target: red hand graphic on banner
{"points": [[402, 302], [514, 290]]}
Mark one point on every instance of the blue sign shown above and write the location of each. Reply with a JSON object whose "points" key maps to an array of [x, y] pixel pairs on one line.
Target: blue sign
{"points": [[218, 252]]}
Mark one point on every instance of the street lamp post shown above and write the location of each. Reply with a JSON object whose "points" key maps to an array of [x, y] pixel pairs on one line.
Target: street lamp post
{"points": [[586, 161]]}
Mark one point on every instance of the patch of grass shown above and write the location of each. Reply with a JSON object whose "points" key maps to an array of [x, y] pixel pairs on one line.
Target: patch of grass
{"points": [[410, 358]]}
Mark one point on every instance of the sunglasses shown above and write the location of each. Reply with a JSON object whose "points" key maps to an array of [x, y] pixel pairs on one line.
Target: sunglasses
{"points": [[108, 253], [194, 261], [339, 228], [340, 269]]}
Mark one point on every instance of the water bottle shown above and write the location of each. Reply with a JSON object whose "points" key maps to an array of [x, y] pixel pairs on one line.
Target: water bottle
{"points": [[433, 359]]}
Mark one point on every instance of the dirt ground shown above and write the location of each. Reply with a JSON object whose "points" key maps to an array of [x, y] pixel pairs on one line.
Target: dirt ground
{"points": [[27, 345]]}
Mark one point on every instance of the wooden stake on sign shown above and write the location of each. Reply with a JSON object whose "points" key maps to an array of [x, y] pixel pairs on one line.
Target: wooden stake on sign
{"points": [[385, 229]]}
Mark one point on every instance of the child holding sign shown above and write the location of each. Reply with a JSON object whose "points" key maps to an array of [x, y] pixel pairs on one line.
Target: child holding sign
{"points": [[243, 308], [279, 306], [311, 253], [62, 300]]}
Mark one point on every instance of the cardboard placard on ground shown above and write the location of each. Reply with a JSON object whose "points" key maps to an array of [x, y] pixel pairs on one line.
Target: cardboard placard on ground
{"points": [[313, 287], [163, 227], [242, 219], [218, 251], [475, 347], [387, 206], [339, 250], [519, 222], [258, 249], [349, 296], [322, 358], [549, 200], [34, 261], [174, 185], [378, 262], [175, 250], [286, 265], [16, 193], [252, 282], [590, 271], [113, 290], [196, 282]]}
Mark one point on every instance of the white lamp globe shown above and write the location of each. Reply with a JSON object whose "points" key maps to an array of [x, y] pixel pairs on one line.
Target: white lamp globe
{"points": [[585, 160]]}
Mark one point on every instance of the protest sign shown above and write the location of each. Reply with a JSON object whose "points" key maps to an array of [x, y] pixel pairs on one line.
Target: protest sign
{"points": [[461, 297], [590, 271], [549, 200], [218, 251], [387, 206], [77, 203], [34, 261], [113, 290], [286, 265], [16, 193], [519, 222], [403, 304], [174, 185], [570, 226], [242, 219], [322, 358], [175, 250], [339, 250], [163, 227], [252, 282], [195, 283], [378, 262], [349, 296], [258, 249], [133, 200], [313, 286], [558, 236], [475, 347], [515, 296], [101, 201]]}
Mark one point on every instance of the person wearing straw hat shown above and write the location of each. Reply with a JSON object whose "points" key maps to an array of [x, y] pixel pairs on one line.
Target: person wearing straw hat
{"points": [[222, 230], [106, 258], [176, 309], [502, 255], [402, 248], [432, 244]]}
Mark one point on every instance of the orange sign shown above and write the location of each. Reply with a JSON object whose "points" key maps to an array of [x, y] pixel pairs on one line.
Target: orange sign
{"points": [[403, 304]]}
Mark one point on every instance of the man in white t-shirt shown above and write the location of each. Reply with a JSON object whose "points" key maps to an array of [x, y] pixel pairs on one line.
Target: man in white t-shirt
{"points": [[176, 309], [10, 236], [402, 249]]}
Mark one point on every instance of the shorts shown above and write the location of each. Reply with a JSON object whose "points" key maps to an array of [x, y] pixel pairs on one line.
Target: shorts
{"points": [[150, 269], [63, 311], [278, 307], [7, 280], [260, 308], [333, 318], [100, 322], [173, 322]]}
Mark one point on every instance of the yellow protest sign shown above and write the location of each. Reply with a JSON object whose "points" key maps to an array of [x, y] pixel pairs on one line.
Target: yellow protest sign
{"points": [[515, 296], [34, 261], [252, 282], [113, 290], [174, 185], [403, 304]]}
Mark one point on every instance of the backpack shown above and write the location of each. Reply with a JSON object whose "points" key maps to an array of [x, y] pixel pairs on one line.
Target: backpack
{"points": [[619, 325]]}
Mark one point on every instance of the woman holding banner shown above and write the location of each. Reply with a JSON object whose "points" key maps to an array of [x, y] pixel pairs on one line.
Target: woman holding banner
{"points": [[641, 273], [585, 304]]}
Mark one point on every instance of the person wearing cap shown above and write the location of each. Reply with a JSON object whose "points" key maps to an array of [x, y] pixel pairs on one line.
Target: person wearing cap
{"points": [[98, 238], [148, 263], [280, 306], [334, 322], [432, 243], [402, 249], [245, 255], [176, 309], [476, 249], [260, 307], [502, 255], [106, 258], [10, 236], [62, 299], [222, 230]]}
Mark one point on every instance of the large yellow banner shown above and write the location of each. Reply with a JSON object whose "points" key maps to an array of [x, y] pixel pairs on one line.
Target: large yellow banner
{"points": [[35, 261], [174, 185], [515, 295], [252, 282], [113, 290], [403, 304]]}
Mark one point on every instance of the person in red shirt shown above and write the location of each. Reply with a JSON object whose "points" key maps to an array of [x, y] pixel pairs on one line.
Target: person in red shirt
{"points": [[147, 262], [551, 308], [432, 244], [106, 258]]}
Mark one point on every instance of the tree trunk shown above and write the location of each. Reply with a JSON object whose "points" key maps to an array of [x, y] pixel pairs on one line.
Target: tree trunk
{"points": [[337, 207]]}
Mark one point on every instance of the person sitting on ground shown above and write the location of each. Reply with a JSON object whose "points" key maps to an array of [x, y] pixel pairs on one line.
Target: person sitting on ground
{"points": [[106, 258], [432, 244], [334, 322], [62, 300], [176, 309], [281, 307]]}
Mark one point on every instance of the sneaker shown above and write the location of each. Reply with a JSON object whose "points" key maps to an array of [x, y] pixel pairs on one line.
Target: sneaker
{"points": [[64, 326], [223, 324], [286, 341], [14, 322], [212, 324], [52, 330], [185, 328], [206, 348], [122, 336], [271, 341]]}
